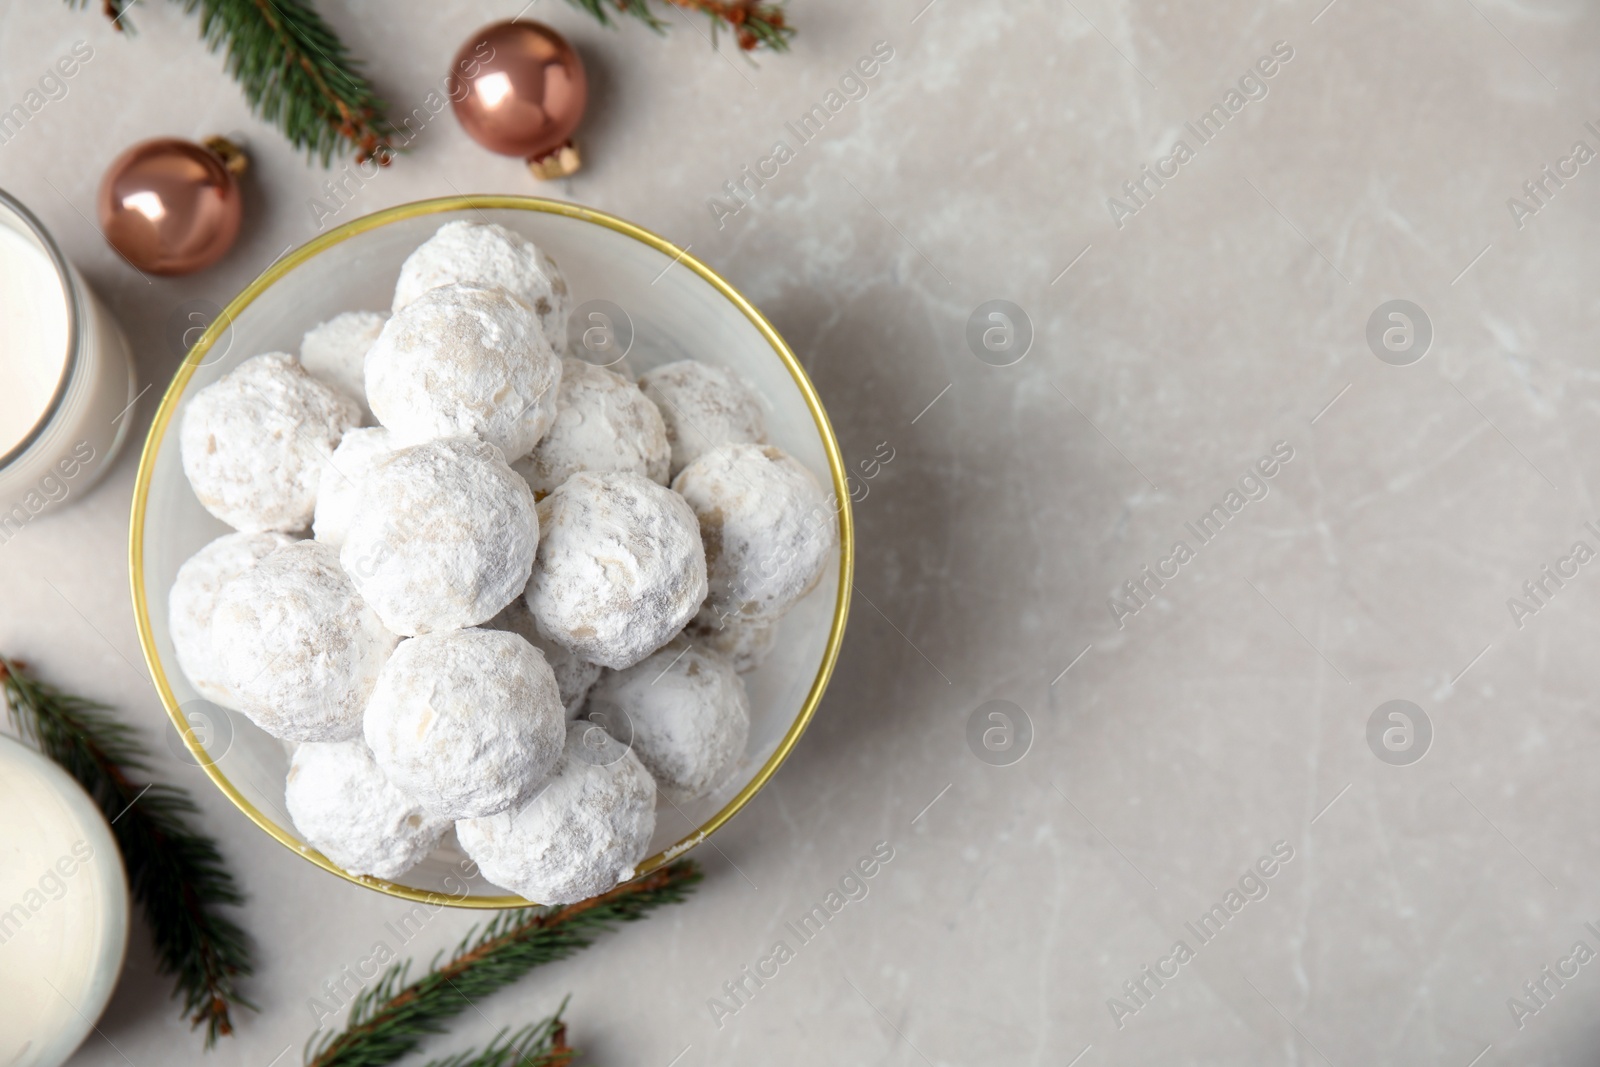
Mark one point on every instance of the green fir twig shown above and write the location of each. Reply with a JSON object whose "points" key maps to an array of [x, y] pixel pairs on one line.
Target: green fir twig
{"points": [[755, 23], [541, 1044], [390, 1019], [294, 70], [176, 872]]}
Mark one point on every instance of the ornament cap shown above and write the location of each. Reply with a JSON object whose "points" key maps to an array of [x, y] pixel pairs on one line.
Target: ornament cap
{"points": [[561, 163], [231, 153]]}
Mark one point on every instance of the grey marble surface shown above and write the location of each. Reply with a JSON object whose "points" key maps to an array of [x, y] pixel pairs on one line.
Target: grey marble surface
{"points": [[1176, 341]]}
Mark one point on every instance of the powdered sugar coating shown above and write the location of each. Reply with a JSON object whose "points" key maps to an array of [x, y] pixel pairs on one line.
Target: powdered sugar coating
{"points": [[349, 811], [468, 722], [461, 360], [745, 642], [339, 487], [542, 415], [443, 536], [489, 254], [574, 676], [603, 423], [581, 836], [689, 716], [335, 353], [615, 364], [298, 647], [767, 528], [620, 567], [192, 602], [704, 406], [253, 442]]}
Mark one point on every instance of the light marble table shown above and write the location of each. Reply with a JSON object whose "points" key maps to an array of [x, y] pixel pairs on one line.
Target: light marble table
{"points": [[1176, 341]]}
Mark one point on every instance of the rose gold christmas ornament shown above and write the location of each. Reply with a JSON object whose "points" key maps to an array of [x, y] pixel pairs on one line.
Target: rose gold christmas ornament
{"points": [[518, 88], [172, 206]]}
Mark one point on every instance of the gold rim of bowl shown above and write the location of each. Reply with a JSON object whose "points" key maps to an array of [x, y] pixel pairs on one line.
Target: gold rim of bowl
{"points": [[174, 394]]}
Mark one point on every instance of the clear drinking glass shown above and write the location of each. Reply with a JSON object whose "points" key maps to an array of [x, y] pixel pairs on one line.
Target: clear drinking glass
{"points": [[66, 376]]}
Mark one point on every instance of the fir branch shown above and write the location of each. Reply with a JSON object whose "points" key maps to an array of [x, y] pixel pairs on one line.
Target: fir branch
{"points": [[391, 1018], [113, 10], [536, 1045], [755, 23], [295, 72], [176, 872]]}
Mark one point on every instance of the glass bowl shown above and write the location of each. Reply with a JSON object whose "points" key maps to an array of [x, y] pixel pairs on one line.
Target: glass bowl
{"points": [[634, 292]]}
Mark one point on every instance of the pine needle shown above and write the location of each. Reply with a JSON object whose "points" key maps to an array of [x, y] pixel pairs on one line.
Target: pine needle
{"points": [[391, 1018], [536, 1045], [755, 23], [295, 72], [637, 9], [176, 872]]}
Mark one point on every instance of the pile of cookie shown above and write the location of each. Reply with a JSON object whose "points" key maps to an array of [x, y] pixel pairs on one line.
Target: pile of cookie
{"points": [[530, 585]]}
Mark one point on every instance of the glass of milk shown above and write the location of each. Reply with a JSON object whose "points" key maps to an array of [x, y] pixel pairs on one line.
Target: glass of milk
{"points": [[63, 910], [68, 384]]}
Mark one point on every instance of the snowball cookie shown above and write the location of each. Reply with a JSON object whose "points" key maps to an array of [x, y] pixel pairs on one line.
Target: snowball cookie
{"points": [[745, 642], [488, 254], [340, 800], [603, 423], [582, 834], [339, 488], [689, 715], [298, 647], [704, 406], [469, 722], [193, 601], [443, 536], [335, 353], [620, 567], [574, 676], [253, 442], [460, 360], [766, 525]]}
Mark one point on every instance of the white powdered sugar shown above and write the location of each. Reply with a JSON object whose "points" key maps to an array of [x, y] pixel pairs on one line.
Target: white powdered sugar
{"points": [[542, 415], [443, 536], [298, 647], [339, 488], [704, 406], [745, 642], [348, 810], [599, 358], [488, 254], [460, 360], [468, 722], [193, 601], [620, 567], [574, 676], [767, 527], [688, 715], [335, 353], [603, 423], [253, 442], [581, 836]]}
